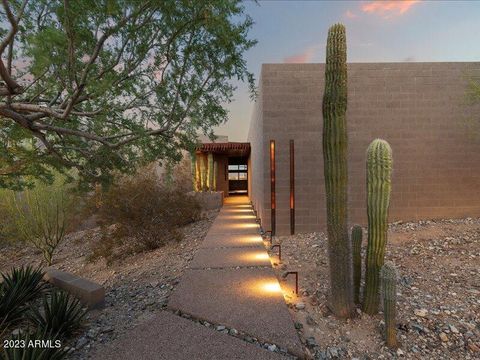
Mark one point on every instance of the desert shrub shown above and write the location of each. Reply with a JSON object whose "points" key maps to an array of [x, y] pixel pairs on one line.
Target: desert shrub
{"points": [[8, 231], [60, 313], [40, 216], [140, 213], [177, 175], [18, 288], [55, 352]]}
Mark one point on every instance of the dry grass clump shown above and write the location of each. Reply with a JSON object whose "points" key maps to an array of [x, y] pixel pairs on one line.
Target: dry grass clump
{"points": [[139, 214]]}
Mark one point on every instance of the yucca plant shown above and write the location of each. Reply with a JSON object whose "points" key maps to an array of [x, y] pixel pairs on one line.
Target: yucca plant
{"points": [[54, 350], [19, 287], [61, 313]]}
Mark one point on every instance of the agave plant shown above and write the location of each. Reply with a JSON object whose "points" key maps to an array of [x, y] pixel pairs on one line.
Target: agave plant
{"points": [[19, 287], [52, 349], [61, 313]]}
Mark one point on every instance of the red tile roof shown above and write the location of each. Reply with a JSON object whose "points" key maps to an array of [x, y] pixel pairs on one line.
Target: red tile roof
{"points": [[231, 148]]}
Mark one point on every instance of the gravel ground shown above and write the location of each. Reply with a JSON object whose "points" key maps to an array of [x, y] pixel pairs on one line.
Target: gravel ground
{"points": [[136, 287], [438, 294]]}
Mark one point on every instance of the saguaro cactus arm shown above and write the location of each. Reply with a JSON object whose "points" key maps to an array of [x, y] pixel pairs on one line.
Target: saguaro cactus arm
{"points": [[379, 184], [335, 171]]}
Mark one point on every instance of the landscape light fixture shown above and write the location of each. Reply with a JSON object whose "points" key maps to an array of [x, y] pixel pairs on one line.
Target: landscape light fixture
{"points": [[272, 185], [296, 279], [279, 250], [292, 188], [271, 237]]}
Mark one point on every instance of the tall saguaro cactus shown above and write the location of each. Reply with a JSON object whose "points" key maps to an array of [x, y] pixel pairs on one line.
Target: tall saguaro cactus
{"points": [[388, 276], [336, 174], [357, 233], [379, 184], [210, 171]]}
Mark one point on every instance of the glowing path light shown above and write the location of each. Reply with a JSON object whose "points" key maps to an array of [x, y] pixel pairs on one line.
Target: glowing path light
{"points": [[255, 256], [271, 287], [242, 226], [264, 287], [238, 217]]}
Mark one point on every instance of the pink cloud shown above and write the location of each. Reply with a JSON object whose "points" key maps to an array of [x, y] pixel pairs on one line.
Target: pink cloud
{"points": [[351, 15], [304, 57], [388, 8]]}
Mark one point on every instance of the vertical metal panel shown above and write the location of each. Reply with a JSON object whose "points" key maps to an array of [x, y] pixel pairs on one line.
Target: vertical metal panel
{"points": [[272, 185], [292, 187]]}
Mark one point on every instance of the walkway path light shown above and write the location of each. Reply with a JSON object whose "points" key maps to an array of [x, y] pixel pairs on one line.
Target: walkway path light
{"points": [[279, 250], [284, 276], [271, 236]]}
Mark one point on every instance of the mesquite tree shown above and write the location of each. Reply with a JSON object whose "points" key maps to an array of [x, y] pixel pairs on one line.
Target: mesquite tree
{"points": [[335, 169], [107, 85]]}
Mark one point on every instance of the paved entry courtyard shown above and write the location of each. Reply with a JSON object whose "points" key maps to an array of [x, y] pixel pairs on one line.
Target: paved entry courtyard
{"points": [[231, 285]]}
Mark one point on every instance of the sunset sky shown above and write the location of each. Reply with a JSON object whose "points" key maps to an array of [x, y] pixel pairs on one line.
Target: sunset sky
{"points": [[377, 31]]}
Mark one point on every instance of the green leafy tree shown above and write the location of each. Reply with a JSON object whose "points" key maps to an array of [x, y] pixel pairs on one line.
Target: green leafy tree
{"points": [[108, 85]]}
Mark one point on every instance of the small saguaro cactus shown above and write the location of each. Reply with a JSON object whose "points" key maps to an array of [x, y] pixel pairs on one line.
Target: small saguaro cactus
{"points": [[379, 185], [193, 169], [388, 276], [336, 173], [198, 173], [203, 173], [215, 174], [357, 233], [210, 171]]}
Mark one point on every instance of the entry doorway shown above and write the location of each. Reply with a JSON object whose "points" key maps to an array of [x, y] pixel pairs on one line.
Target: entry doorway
{"points": [[237, 176]]}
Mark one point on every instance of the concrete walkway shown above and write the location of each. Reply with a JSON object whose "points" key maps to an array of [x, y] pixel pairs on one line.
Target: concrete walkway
{"points": [[230, 283]]}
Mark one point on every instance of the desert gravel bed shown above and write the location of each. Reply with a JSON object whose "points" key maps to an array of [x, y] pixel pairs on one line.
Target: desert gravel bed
{"points": [[136, 287], [438, 294]]}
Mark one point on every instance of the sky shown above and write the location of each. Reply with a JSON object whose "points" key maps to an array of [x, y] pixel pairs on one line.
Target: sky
{"points": [[377, 31]]}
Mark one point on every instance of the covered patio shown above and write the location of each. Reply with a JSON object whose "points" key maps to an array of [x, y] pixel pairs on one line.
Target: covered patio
{"points": [[222, 167]]}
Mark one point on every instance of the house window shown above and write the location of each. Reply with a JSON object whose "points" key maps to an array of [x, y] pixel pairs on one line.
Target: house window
{"points": [[237, 172]]}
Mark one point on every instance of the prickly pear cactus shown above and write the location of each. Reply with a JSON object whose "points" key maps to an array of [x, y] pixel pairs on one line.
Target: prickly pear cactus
{"points": [[379, 184], [388, 276], [335, 171], [357, 233]]}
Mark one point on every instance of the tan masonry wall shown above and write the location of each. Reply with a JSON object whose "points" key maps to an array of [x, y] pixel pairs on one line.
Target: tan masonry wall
{"points": [[419, 108]]}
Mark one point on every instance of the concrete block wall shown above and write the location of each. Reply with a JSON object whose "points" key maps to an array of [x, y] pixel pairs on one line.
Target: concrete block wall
{"points": [[419, 108], [256, 160]]}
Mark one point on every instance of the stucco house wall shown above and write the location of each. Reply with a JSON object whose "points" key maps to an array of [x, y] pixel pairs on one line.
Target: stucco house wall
{"points": [[419, 108]]}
